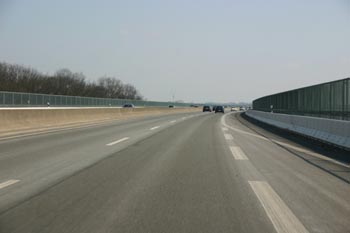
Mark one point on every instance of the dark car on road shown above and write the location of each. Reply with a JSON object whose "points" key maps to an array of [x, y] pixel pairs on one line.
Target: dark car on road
{"points": [[206, 109], [219, 109], [128, 106]]}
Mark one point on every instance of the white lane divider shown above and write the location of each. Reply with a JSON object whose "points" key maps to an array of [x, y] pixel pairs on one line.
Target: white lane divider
{"points": [[228, 136], [280, 215], [173, 121], [118, 141], [184, 118], [224, 129], [155, 127], [8, 183], [237, 153]]}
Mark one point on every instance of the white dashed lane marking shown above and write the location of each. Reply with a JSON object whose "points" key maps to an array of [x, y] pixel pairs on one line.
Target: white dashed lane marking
{"points": [[8, 183], [155, 127], [118, 141], [237, 153], [228, 136]]}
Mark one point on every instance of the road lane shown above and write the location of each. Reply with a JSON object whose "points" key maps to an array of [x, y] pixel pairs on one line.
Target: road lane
{"points": [[183, 177], [320, 200], [40, 161]]}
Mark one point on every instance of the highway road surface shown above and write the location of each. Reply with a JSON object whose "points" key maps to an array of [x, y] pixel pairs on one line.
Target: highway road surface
{"points": [[188, 172]]}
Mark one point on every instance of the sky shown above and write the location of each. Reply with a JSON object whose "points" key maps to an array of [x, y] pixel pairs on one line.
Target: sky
{"points": [[196, 50]]}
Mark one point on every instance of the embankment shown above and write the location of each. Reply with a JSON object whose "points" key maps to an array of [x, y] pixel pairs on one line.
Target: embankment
{"points": [[15, 120]]}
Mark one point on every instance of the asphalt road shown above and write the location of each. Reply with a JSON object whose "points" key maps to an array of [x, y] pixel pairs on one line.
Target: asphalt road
{"points": [[198, 172]]}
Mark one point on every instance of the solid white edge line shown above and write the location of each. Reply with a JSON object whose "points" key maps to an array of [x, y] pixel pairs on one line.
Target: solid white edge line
{"points": [[118, 141], [223, 122], [316, 155], [237, 153], [313, 154], [8, 183], [155, 127], [228, 136], [173, 121], [279, 213]]}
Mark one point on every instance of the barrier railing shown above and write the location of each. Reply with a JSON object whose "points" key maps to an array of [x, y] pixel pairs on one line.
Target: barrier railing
{"points": [[326, 100], [18, 99]]}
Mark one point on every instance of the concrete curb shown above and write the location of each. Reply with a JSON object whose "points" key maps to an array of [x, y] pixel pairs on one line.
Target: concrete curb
{"points": [[335, 132]]}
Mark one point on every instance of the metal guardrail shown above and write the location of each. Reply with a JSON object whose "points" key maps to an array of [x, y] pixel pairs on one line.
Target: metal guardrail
{"points": [[18, 99], [326, 100]]}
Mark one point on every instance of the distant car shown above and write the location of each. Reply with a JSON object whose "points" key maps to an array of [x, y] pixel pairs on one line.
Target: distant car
{"points": [[233, 109], [206, 109], [128, 106], [214, 107], [171, 106], [219, 109]]}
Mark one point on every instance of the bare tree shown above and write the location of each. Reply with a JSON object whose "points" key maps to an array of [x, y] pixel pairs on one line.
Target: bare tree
{"points": [[113, 86], [64, 82]]}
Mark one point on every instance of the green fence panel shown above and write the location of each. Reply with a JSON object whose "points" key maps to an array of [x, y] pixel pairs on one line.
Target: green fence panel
{"points": [[328, 100], [16, 99], [2, 98]]}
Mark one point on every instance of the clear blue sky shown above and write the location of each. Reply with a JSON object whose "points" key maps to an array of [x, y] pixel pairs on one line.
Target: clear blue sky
{"points": [[223, 50]]}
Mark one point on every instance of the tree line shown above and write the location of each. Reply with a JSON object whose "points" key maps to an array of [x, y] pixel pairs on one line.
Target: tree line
{"points": [[17, 78]]}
